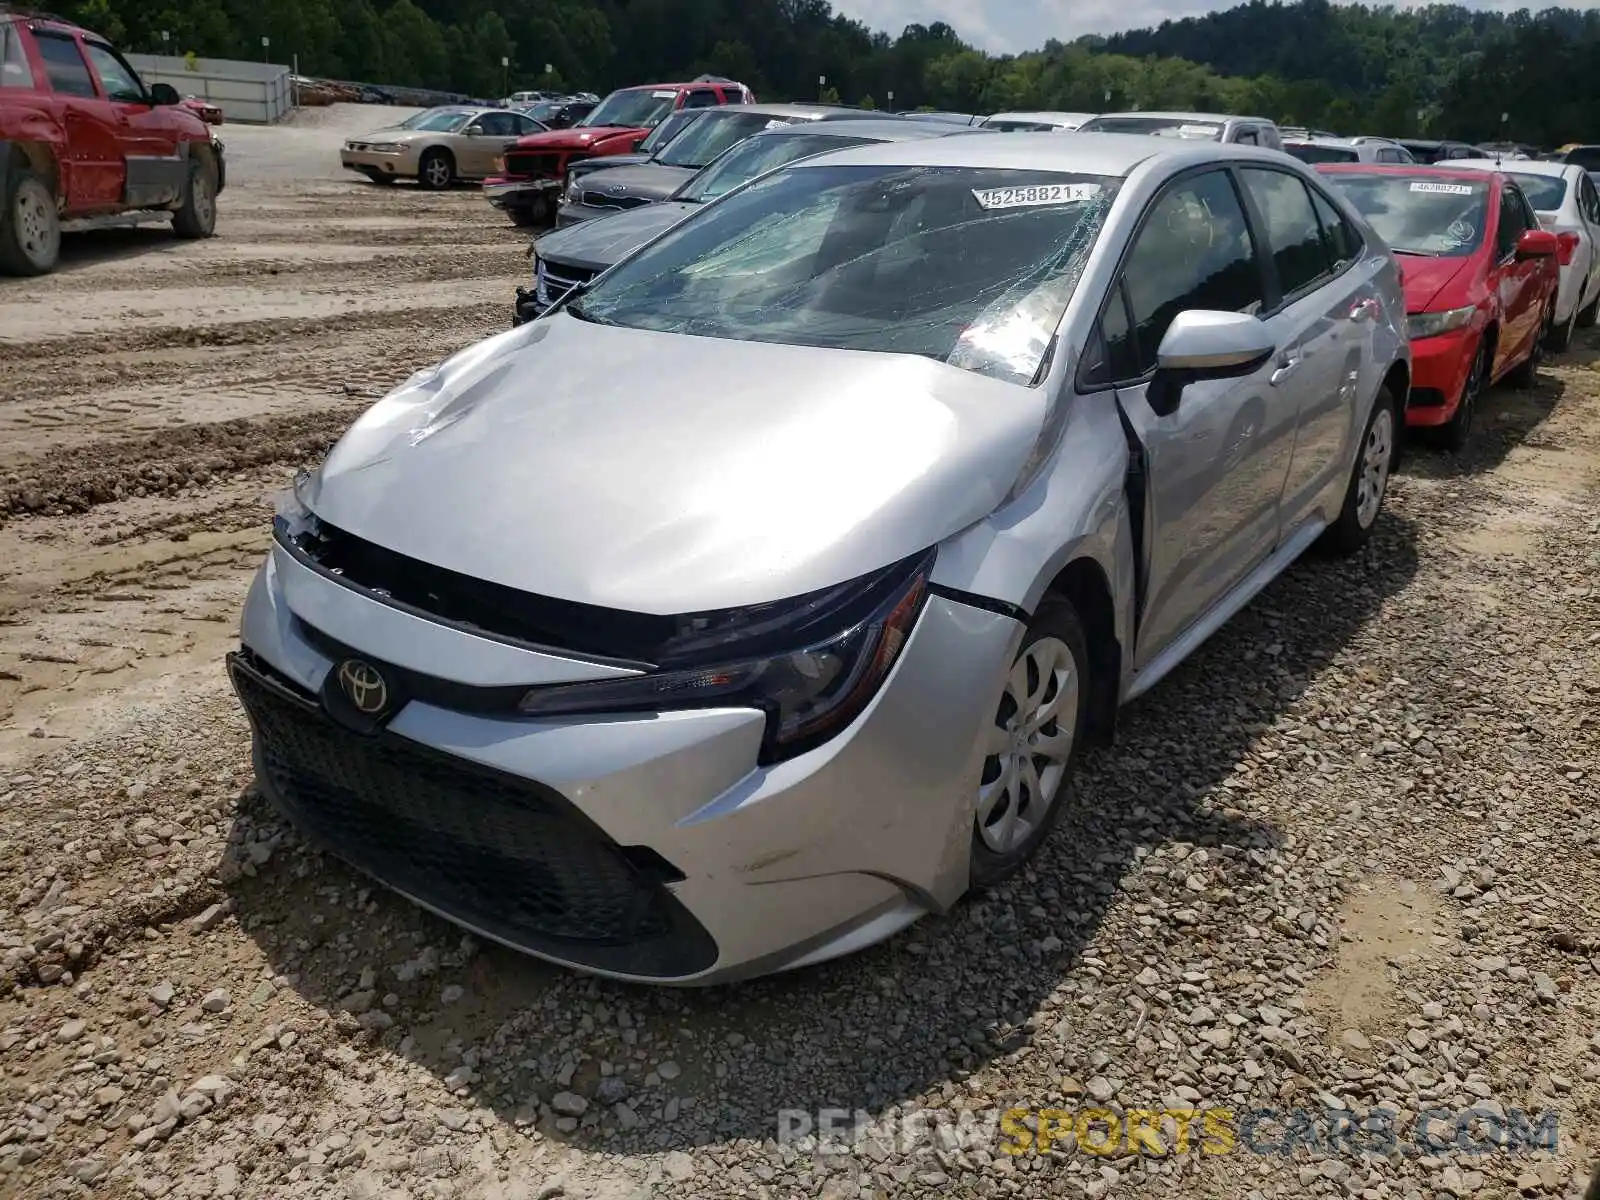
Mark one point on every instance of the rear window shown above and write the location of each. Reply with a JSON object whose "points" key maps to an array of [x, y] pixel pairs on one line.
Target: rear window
{"points": [[1416, 214], [14, 69], [1545, 192], [1308, 153]]}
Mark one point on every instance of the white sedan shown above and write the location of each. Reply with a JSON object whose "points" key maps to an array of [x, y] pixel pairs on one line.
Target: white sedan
{"points": [[1568, 203]]}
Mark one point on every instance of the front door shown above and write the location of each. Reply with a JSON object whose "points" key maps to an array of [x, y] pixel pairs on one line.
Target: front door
{"points": [[1517, 282], [1215, 461], [149, 136], [489, 137]]}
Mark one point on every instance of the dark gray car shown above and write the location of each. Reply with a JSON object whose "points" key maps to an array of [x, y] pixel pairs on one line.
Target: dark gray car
{"points": [[577, 253], [717, 130]]}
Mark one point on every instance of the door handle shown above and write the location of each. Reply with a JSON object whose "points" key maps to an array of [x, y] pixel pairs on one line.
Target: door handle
{"points": [[1286, 367]]}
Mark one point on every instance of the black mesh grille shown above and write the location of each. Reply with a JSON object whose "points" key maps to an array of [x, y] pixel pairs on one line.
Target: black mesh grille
{"points": [[545, 165], [599, 199], [503, 855]]}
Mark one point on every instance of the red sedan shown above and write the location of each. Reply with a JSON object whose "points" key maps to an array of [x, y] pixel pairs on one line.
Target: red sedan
{"points": [[1480, 279]]}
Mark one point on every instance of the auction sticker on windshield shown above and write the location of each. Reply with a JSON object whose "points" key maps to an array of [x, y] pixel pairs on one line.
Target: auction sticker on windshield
{"points": [[663, 95], [1039, 194], [1443, 189]]}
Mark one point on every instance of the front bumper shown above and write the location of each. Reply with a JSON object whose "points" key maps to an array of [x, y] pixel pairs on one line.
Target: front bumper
{"points": [[403, 164], [651, 847], [521, 193], [1439, 369]]}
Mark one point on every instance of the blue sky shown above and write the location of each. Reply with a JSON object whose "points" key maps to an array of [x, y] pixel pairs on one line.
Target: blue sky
{"points": [[1002, 26]]}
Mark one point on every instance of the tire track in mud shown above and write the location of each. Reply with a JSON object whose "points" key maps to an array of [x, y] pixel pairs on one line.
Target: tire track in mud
{"points": [[68, 480]]}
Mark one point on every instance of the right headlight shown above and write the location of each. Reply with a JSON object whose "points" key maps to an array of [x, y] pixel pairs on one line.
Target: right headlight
{"points": [[812, 664], [541, 286], [574, 188], [385, 148], [1432, 324]]}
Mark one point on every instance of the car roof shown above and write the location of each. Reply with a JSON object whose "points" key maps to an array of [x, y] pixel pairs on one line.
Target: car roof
{"points": [[883, 129], [1112, 154], [1518, 166], [814, 111], [1041, 116], [1219, 118]]}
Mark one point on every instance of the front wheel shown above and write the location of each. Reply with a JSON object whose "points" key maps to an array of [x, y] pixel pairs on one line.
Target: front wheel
{"points": [[436, 171], [30, 226], [1031, 744], [196, 217], [1526, 373], [1369, 478], [1456, 433]]}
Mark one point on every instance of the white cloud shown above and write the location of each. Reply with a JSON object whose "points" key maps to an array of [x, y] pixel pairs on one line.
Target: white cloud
{"points": [[1011, 26]]}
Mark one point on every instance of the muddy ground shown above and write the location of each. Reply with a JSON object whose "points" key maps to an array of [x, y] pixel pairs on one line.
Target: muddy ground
{"points": [[1361, 827]]}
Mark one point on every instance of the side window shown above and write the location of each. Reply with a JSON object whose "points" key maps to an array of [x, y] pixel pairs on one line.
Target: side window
{"points": [[1109, 357], [1340, 237], [117, 77], [1589, 200], [69, 74], [1513, 222], [14, 69], [701, 98], [497, 124], [1193, 251], [525, 124], [1246, 137], [1293, 233]]}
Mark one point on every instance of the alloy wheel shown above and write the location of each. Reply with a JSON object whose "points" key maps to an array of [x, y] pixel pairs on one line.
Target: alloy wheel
{"points": [[438, 172], [1377, 451], [37, 232], [1029, 745]]}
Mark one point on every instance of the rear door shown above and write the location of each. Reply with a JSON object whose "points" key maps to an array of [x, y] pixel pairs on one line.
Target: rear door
{"points": [[1214, 462], [1315, 314], [94, 142], [148, 133]]}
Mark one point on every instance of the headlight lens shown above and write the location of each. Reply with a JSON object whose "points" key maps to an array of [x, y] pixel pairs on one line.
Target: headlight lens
{"points": [[292, 515], [1432, 324], [385, 148], [574, 189], [811, 664], [541, 288]]}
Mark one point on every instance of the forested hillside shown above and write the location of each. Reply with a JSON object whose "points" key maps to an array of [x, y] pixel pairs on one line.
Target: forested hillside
{"points": [[1443, 70]]}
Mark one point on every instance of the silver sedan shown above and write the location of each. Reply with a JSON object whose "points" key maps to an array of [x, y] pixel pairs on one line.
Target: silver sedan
{"points": [[760, 598]]}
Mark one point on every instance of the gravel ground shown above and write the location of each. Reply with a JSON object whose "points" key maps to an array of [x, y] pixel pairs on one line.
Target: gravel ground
{"points": [[1343, 862]]}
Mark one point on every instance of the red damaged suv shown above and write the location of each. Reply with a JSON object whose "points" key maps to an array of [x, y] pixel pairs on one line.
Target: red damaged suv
{"points": [[535, 169], [1480, 279]]}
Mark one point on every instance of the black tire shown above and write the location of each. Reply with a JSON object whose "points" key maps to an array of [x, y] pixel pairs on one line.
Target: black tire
{"points": [[437, 170], [30, 226], [1526, 373], [1356, 518], [1588, 316], [196, 217], [1455, 434], [1055, 620], [526, 215], [1560, 336], [379, 178]]}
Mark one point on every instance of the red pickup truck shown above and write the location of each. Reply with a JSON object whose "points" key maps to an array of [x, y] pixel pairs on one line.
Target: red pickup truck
{"points": [[535, 169], [81, 136]]}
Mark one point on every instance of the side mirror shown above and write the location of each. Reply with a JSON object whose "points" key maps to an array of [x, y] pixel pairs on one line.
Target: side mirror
{"points": [[162, 94], [473, 131], [1203, 344], [1538, 243]]}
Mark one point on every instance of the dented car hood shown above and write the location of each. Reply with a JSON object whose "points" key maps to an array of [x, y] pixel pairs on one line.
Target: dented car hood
{"points": [[595, 245], [663, 473]]}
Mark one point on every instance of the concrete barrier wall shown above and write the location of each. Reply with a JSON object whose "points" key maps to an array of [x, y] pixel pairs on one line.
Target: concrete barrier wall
{"points": [[255, 93]]}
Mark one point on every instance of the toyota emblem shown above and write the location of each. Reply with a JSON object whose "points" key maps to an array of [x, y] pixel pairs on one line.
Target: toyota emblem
{"points": [[364, 686]]}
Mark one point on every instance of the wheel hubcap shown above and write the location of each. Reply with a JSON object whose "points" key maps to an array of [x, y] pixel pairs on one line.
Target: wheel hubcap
{"points": [[438, 173], [1375, 455], [1028, 745], [35, 225]]}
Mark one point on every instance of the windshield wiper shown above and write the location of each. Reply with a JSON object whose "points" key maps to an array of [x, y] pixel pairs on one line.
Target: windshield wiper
{"points": [[1418, 253]]}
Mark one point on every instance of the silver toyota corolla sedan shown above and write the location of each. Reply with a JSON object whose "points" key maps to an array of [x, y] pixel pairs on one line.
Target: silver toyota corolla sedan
{"points": [[759, 598]]}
